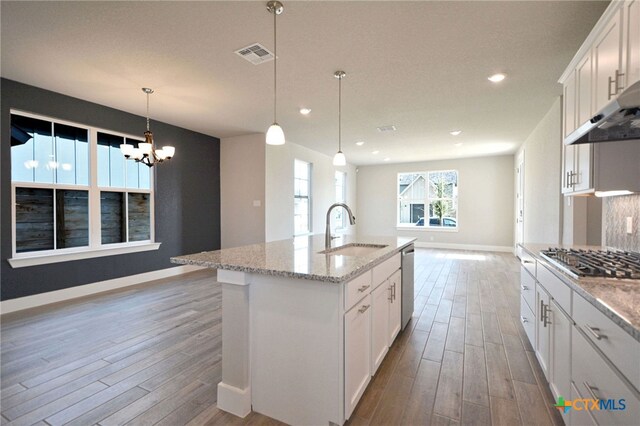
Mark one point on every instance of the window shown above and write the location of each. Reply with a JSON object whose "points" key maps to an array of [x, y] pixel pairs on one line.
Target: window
{"points": [[339, 216], [428, 199], [302, 198], [61, 204]]}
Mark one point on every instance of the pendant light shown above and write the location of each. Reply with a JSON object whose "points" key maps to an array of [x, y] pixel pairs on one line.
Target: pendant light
{"points": [[275, 135], [146, 152], [339, 159]]}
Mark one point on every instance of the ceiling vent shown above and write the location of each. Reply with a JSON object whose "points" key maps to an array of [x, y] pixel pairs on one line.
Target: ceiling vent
{"points": [[255, 53], [384, 129]]}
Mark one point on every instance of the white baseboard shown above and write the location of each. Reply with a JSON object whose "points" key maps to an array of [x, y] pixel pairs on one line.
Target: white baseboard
{"points": [[41, 299], [474, 247], [233, 400]]}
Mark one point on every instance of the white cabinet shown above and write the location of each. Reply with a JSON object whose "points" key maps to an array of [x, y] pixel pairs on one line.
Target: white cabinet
{"points": [[381, 298], [607, 58], [560, 351], [395, 306], [357, 355], [584, 80], [542, 344], [631, 41], [593, 378], [569, 104]]}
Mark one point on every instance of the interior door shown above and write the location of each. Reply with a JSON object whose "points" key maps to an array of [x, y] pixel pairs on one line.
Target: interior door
{"points": [[520, 200]]}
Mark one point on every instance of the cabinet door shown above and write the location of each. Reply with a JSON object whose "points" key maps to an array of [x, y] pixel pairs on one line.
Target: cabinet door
{"points": [[569, 104], [381, 300], [606, 55], [357, 356], [542, 329], [568, 168], [395, 308], [560, 351], [584, 90], [631, 37], [583, 178]]}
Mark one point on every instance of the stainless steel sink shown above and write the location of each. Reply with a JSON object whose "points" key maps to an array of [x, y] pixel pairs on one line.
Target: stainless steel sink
{"points": [[353, 249]]}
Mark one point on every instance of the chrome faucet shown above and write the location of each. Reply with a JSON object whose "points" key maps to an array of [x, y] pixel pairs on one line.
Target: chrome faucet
{"points": [[327, 235]]}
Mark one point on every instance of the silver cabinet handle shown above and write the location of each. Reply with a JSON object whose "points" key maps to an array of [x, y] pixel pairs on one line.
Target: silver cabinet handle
{"points": [[591, 389], [390, 294], [541, 310], [618, 87], [524, 287], [546, 320], [363, 288], [394, 291], [527, 261], [595, 332], [573, 181], [363, 308], [566, 180], [523, 319], [611, 82]]}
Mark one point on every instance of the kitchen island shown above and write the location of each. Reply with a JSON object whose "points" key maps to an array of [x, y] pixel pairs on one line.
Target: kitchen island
{"points": [[304, 328]]}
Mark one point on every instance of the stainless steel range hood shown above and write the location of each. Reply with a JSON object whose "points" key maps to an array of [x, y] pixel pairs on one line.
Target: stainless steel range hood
{"points": [[619, 120]]}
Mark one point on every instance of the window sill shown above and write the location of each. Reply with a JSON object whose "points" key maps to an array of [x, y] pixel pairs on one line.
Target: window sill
{"points": [[33, 259], [426, 229]]}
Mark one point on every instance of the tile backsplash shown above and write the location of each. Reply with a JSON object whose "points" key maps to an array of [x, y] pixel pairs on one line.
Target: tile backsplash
{"points": [[616, 211]]}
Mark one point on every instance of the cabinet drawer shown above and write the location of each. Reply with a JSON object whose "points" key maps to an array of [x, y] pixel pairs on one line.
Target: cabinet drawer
{"points": [[385, 270], [621, 349], [555, 287], [528, 262], [527, 287], [594, 379], [528, 321], [578, 417], [356, 289]]}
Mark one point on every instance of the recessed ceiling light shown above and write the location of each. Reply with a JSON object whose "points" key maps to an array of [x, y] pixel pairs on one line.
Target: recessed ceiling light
{"points": [[305, 111], [497, 78], [455, 132], [458, 144], [360, 143], [375, 152], [387, 159]]}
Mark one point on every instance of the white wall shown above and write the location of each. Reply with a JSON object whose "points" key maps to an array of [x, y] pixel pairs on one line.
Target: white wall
{"points": [[279, 189], [542, 170], [485, 202], [242, 175]]}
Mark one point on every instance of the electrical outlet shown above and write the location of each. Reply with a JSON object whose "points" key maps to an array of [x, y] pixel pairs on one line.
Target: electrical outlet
{"points": [[629, 225]]}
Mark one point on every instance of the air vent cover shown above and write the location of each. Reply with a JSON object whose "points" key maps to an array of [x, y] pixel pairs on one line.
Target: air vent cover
{"points": [[383, 129], [255, 53]]}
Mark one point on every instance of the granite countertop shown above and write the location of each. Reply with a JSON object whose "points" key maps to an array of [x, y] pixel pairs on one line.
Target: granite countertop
{"points": [[618, 299], [299, 258]]}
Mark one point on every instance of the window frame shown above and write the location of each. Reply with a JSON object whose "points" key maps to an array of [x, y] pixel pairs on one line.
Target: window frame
{"points": [[308, 197], [427, 201], [342, 225], [95, 248]]}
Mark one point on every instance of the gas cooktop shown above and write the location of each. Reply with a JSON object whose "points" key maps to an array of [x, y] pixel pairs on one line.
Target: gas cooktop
{"points": [[580, 263]]}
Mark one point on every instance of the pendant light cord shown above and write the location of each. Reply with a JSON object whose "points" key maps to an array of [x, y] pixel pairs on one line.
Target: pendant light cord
{"points": [[339, 114], [147, 111], [275, 73]]}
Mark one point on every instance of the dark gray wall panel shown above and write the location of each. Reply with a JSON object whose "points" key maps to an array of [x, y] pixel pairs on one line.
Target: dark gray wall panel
{"points": [[187, 198]]}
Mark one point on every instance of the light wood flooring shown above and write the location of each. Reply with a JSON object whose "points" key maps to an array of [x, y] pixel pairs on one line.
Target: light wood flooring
{"points": [[151, 355]]}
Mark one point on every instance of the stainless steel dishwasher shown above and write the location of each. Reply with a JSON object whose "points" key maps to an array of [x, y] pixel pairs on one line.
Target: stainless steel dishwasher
{"points": [[407, 284]]}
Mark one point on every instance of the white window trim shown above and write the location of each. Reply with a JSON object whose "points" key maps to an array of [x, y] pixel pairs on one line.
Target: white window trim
{"points": [[95, 247], [308, 197], [78, 253], [413, 227]]}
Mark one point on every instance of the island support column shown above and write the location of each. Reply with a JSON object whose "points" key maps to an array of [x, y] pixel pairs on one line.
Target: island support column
{"points": [[234, 391]]}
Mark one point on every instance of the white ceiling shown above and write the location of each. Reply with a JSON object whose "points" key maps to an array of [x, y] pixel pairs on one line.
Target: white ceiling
{"points": [[421, 66]]}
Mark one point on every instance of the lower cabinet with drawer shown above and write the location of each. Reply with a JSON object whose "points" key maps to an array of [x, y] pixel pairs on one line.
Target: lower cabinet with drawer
{"points": [[371, 323], [594, 379]]}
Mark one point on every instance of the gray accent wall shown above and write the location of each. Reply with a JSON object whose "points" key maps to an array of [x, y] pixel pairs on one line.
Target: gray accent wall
{"points": [[187, 197]]}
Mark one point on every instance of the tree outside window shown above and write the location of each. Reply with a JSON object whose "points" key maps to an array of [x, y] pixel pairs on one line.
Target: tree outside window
{"points": [[437, 190]]}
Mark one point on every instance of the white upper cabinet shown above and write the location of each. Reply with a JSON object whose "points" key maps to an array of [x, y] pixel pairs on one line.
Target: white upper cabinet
{"points": [[607, 55], [569, 104], [631, 41]]}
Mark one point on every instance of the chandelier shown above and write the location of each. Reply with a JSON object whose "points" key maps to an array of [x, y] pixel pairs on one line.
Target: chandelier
{"points": [[275, 134], [146, 153]]}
